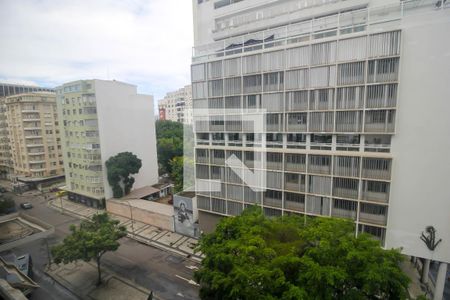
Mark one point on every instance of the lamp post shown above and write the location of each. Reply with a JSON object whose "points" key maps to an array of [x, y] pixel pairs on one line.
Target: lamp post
{"points": [[131, 215]]}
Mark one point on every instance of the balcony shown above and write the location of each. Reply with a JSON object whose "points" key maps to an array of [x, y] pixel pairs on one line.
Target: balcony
{"points": [[40, 161], [376, 174], [218, 161], [346, 193], [343, 213], [317, 169], [298, 206], [272, 202], [375, 196], [294, 186], [379, 127], [372, 218], [202, 159], [271, 165], [295, 167], [292, 127]]}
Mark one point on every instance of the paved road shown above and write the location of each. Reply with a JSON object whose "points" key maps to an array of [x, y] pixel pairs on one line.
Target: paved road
{"points": [[164, 273]]}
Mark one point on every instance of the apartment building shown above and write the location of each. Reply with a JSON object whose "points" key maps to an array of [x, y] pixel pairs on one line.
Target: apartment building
{"points": [[177, 106], [6, 89], [33, 135], [354, 97], [99, 119]]}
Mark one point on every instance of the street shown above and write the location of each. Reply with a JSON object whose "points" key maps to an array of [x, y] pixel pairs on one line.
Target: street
{"points": [[168, 275]]}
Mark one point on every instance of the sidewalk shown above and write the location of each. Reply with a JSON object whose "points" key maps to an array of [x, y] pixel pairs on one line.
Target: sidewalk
{"points": [[416, 288], [81, 277], [144, 233]]}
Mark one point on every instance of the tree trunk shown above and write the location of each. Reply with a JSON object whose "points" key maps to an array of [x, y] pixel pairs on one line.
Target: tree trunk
{"points": [[99, 280]]}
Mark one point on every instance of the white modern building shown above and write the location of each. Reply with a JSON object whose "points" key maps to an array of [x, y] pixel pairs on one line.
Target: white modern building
{"points": [[177, 106], [355, 101], [99, 119]]}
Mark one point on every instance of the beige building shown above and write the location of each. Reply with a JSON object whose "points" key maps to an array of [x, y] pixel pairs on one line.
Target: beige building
{"points": [[177, 106], [6, 90], [33, 135]]}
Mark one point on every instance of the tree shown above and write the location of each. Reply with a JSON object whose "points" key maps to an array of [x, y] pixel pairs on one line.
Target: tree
{"points": [[178, 165], [254, 257], [119, 168], [90, 241], [7, 204], [169, 137]]}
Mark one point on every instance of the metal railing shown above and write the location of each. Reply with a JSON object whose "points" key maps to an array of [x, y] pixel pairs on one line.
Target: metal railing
{"points": [[313, 29]]}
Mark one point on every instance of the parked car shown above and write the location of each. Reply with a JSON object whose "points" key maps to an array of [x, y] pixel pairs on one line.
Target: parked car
{"points": [[26, 205]]}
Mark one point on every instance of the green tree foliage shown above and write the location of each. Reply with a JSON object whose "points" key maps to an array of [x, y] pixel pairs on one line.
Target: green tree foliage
{"points": [[90, 241], [178, 165], [119, 168], [7, 204], [169, 137], [254, 257]]}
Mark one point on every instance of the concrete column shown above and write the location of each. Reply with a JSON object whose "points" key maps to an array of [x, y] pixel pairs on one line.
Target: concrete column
{"points": [[440, 282], [425, 270]]}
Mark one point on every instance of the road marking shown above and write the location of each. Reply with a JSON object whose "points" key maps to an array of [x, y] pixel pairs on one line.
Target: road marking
{"points": [[192, 267], [190, 281]]}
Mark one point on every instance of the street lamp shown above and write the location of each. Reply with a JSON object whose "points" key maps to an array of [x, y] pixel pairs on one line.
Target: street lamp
{"points": [[131, 215]]}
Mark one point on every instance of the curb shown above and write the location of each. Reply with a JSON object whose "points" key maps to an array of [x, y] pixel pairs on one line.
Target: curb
{"points": [[164, 248], [108, 274]]}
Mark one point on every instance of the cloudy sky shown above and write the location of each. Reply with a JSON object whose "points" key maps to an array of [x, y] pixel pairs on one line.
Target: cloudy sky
{"points": [[144, 42]]}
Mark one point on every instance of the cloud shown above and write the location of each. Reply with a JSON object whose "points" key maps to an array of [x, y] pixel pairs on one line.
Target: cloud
{"points": [[144, 42]]}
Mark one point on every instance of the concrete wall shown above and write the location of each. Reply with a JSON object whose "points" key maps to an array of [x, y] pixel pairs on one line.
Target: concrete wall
{"points": [[47, 230], [139, 214], [419, 194], [126, 123], [208, 222]]}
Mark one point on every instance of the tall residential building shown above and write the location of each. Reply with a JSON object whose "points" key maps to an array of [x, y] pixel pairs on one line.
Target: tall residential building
{"points": [[98, 120], [33, 135], [7, 89], [355, 95], [177, 106]]}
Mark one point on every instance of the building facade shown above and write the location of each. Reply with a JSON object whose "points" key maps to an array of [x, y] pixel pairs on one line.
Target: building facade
{"points": [[99, 119], [6, 89], [33, 135], [177, 106], [345, 130]]}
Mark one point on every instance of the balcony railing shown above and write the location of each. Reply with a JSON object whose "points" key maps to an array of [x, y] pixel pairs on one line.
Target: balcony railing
{"points": [[375, 196], [272, 202], [319, 169], [293, 186], [376, 174], [295, 167], [343, 213], [346, 193], [371, 218], [274, 165], [338, 24], [298, 206]]}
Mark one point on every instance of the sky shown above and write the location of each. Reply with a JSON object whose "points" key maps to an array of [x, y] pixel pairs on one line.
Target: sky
{"points": [[143, 42]]}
